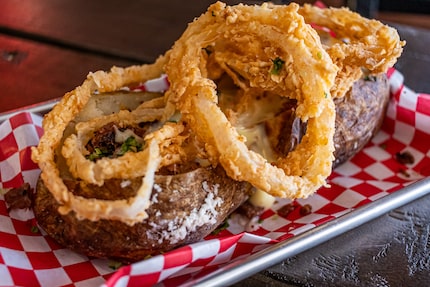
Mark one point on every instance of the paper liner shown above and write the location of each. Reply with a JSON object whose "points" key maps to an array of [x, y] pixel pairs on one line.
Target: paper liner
{"points": [[34, 259]]}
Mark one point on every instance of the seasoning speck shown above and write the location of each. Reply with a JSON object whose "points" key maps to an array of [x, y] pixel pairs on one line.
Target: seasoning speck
{"points": [[115, 265], [20, 197], [305, 209], [405, 157], [286, 209]]}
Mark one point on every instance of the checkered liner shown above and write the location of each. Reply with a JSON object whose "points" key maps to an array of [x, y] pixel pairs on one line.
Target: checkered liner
{"points": [[33, 259]]}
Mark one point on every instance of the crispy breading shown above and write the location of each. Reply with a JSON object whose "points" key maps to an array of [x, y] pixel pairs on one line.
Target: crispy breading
{"points": [[268, 47], [363, 44]]}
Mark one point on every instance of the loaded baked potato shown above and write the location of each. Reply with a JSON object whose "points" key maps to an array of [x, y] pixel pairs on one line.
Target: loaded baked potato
{"points": [[185, 208], [359, 115], [130, 174], [188, 200]]}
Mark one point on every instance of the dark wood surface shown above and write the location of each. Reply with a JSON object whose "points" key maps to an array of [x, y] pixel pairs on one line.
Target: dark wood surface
{"points": [[33, 72], [138, 30], [48, 47], [390, 251]]}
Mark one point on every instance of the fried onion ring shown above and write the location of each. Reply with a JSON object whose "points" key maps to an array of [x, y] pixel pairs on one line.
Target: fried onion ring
{"points": [[130, 210], [54, 125], [362, 43], [127, 166], [307, 75]]}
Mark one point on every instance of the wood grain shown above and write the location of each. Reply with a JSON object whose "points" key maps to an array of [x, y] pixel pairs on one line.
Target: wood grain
{"points": [[32, 72], [138, 30]]}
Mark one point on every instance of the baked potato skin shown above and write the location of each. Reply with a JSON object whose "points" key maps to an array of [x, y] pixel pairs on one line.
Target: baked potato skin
{"points": [[174, 197], [184, 209], [359, 115]]}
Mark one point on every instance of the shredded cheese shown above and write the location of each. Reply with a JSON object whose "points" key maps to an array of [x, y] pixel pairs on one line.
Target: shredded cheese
{"points": [[177, 229]]}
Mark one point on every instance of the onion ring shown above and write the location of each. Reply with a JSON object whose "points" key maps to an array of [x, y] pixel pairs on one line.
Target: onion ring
{"points": [[54, 125], [130, 210], [307, 76], [363, 43], [127, 166]]}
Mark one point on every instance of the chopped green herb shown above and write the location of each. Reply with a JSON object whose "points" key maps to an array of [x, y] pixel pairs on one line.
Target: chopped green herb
{"points": [[220, 228], [98, 153], [115, 265], [319, 55], [34, 229], [130, 144], [278, 64], [175, 118], [370, 78]]}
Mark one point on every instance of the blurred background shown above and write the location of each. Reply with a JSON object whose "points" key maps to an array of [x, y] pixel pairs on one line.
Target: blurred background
{"points": [[411, 12], [47, 47]]}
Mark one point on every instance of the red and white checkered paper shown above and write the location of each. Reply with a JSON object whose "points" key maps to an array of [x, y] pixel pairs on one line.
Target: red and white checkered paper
{"points": [[33, 259]]}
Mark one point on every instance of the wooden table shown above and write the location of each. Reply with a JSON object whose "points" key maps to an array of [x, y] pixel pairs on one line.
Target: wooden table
{"points": [[48, 47]]}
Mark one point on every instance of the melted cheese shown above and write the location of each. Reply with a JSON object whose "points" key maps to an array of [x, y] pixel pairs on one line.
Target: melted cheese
{"points": [[251, 125], [256, 140], [251, 122]]}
